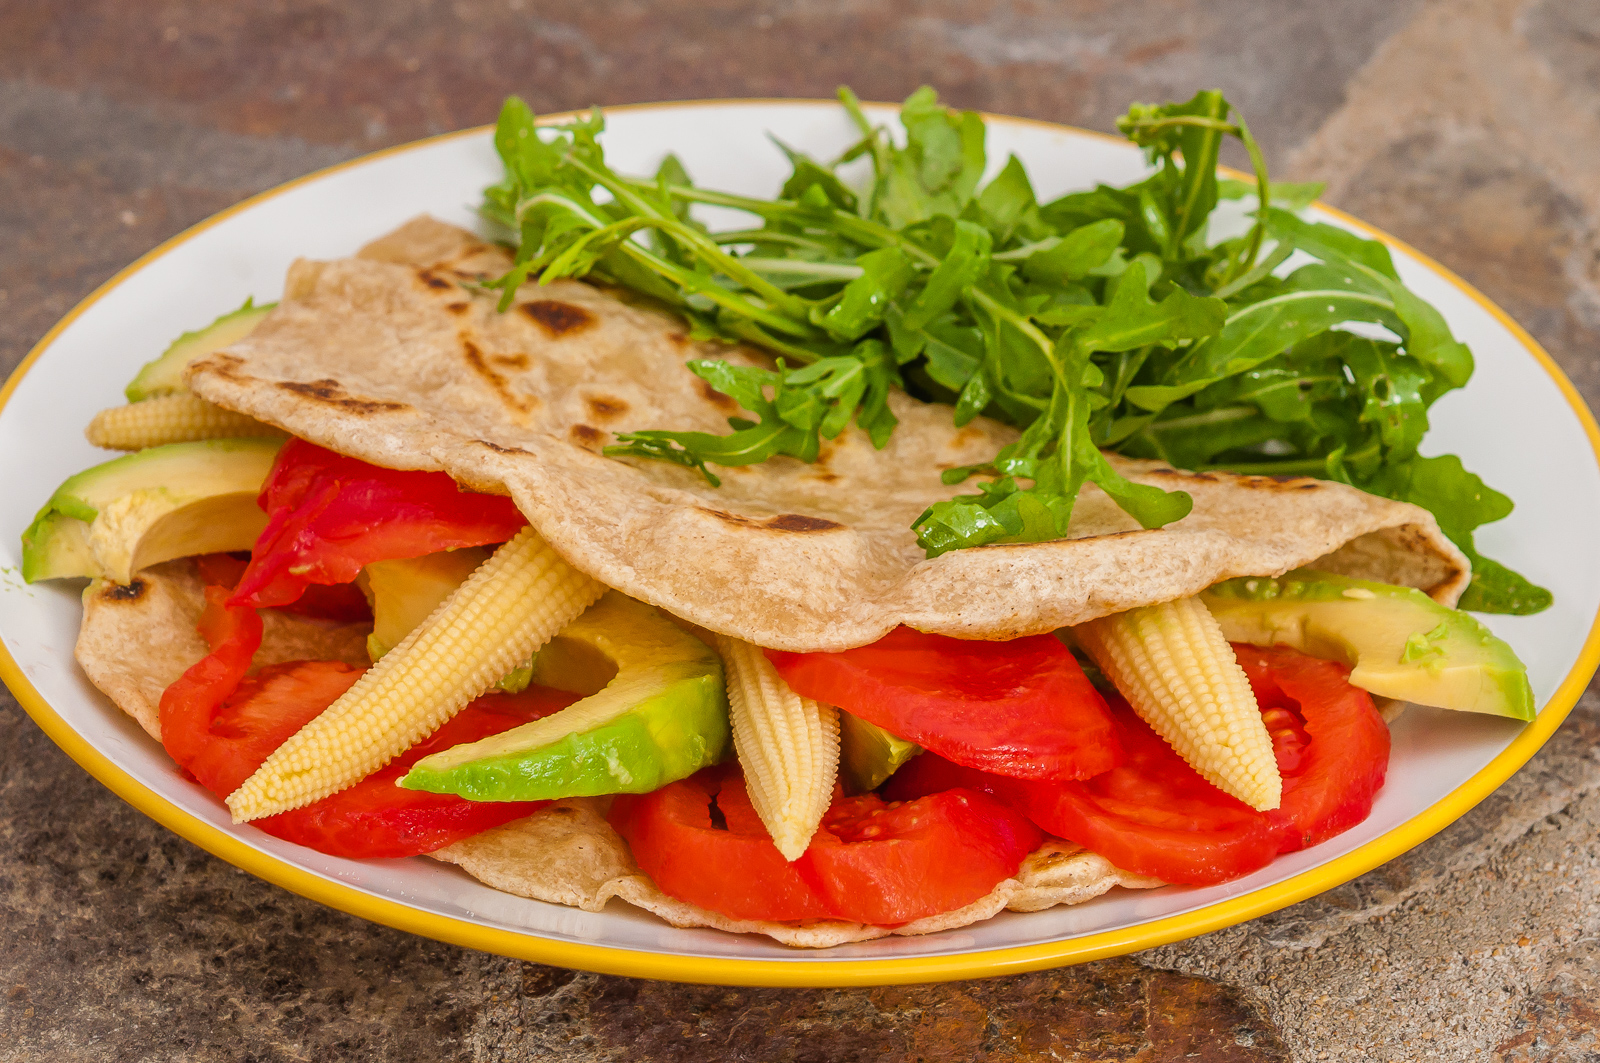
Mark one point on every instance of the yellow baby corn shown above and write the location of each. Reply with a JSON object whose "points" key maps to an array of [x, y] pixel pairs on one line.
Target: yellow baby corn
{"points": [[180, 418], [505, 610], [1178, 672], [787, 745]]}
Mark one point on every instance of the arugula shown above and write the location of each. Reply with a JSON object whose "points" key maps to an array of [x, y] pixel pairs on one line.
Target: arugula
{"points": [[1102, 320]]}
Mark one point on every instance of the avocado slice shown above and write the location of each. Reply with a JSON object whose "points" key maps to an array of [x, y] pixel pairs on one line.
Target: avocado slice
{"points": [[1398, 642], [151, 506], [868, 754], [405, 591], [164, 375], [662, 717]]}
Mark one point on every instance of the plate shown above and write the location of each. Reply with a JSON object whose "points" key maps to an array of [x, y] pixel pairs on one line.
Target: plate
{"points": [[1519, 424]]}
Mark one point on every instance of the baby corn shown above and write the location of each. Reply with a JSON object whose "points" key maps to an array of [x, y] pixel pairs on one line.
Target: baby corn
{"points": [[1178, 672], [180, 418], [508, 608], [787, 745]]}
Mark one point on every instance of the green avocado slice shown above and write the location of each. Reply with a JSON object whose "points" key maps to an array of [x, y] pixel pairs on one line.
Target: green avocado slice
{"points": [[868, 754], [1398, 642], [662, 717], [164, 375], [151, 506]]}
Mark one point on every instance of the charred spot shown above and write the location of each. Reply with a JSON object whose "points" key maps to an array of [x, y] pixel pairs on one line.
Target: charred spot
{"points": [[433, 280], [332, 393], [502, 387], [799, 522], [458, 307], [1310, 485], [605, 409], [116, 592], [510, 361], [715, 397], [555, 317], [678, 339], [1281, 479], [585, 435], [726, 517], [223, 365], [824, 476], [498, 449]]}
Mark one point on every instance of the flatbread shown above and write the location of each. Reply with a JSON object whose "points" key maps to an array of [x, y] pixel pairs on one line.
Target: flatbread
{"points": [[398, 356], [135, 640]]}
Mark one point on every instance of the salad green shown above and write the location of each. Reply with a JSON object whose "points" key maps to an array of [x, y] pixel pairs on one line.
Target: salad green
{"points": [[1108, 319]]}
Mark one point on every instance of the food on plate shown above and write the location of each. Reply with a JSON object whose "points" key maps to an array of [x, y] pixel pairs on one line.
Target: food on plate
{"points": [[492, 611]]}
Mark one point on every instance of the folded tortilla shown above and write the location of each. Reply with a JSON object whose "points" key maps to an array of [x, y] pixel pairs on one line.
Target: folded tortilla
{"points": [[397, 356]]}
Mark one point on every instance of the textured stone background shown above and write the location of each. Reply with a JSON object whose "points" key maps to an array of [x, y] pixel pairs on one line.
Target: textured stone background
{"points": [[1470, 128]]}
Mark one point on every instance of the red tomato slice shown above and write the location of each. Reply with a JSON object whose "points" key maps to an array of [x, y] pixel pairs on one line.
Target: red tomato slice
{"points": [[870, 862], [1156, 816], [220, 724], [329, 515], [1021, 708], [1338, 744], [730, 867], [1152, 814]]}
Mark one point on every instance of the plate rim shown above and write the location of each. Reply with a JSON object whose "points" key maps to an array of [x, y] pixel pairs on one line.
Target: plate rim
{"points": [[801, 972]]}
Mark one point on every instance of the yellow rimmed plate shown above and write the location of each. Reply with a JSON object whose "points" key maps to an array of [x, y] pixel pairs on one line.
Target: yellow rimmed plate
{"points": [[1519, 424]]}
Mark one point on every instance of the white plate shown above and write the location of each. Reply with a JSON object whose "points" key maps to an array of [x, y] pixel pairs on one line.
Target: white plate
{"points": [[1519, 424]]}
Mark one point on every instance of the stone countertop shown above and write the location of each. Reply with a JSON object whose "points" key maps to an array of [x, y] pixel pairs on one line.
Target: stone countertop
{"points": [[1469, 128]]}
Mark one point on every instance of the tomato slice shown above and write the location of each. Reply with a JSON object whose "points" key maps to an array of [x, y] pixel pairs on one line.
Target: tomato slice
{"points": [[1156, 816], [1333, 747], [1021, 708], [1152, 814], [730, 867], [870, 862], [328, 516], [219, 724]]}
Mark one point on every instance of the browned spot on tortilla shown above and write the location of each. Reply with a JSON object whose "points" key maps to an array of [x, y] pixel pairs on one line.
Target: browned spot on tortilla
{"points": [[116, 592], [332, 393], [557, 318], [585, 435], [606, 409], [433, 280], [789, 522], [824, 476], [223, 365], [726, 517], [799, 522], [678, 339], [713, 396], [966, 436], [510, 361], [498, 449], [458, 308], [502, 387]]}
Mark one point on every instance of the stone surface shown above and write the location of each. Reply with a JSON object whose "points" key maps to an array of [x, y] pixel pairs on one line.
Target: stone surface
{"points": [[1470, 128]]}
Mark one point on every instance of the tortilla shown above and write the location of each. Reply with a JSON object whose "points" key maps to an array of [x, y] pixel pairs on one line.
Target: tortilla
{"points": [[137, 639], [396, 356]]}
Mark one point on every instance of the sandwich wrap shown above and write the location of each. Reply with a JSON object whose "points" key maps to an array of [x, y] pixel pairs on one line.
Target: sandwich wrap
{"points": [[397, 356]]}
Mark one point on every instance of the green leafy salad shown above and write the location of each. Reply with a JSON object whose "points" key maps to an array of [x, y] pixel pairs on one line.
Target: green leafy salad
{"points": [[1105, 320]]}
